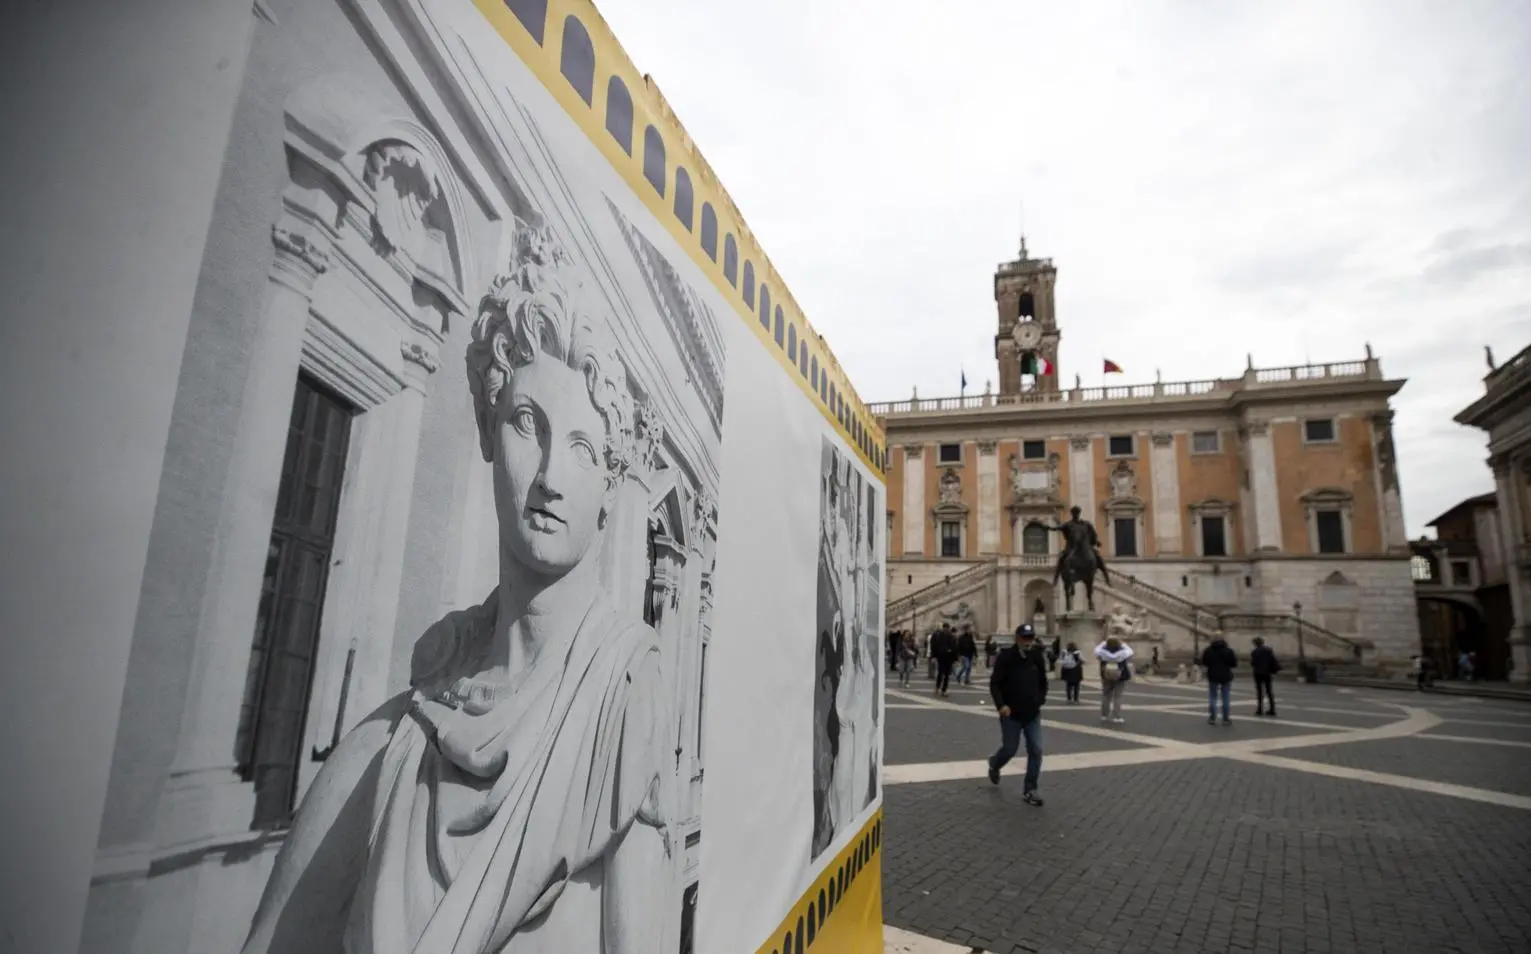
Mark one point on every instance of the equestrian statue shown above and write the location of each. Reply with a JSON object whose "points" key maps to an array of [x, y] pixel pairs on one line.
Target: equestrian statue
{"points": [[1079, 560]]}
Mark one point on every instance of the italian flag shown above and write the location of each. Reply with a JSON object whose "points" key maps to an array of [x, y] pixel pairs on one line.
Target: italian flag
{"points": [[1035, 364]]}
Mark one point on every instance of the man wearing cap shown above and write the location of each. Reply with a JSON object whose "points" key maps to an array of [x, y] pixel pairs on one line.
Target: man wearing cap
{"points": [[1019, 687]]}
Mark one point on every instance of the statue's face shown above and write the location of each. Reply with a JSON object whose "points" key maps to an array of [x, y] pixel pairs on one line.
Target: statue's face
{"points": [[550, 476]]}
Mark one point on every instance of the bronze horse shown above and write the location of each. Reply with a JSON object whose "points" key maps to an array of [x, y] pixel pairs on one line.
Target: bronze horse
{"points": [[1079, 560]]}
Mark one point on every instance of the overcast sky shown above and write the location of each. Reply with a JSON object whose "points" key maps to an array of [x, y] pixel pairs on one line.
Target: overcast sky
{"points": [[1287, 179]]}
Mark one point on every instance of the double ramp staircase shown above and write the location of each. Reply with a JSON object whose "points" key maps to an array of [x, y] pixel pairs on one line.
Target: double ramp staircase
{"points": [[1183, 627]]}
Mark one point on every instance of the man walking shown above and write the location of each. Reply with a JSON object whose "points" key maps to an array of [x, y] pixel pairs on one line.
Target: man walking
{"points": [[1263, 662], [1019, 687], [967, 651], [943, 650], [1219, 660]]}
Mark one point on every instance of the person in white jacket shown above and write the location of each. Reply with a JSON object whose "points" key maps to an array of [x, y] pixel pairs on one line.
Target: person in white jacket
{"points": [[1115, 671]]}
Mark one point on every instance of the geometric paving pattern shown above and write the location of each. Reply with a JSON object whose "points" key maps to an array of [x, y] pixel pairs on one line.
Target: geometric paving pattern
{"points": [[1359, 820]]}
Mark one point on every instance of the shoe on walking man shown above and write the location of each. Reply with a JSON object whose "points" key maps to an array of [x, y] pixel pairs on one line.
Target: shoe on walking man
{"points": [[1019, 687], [1219, 660], [1263, 661]]}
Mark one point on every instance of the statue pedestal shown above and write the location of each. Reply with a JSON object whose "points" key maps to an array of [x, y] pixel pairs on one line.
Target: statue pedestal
{"points": [[1085, 630]]}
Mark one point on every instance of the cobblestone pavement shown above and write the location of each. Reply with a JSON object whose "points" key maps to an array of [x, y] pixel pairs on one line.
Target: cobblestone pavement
{"points": [[1359, 820]]}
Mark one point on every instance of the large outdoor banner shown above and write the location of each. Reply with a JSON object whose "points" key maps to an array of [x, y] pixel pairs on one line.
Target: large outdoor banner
{"points": [[569, 634]]}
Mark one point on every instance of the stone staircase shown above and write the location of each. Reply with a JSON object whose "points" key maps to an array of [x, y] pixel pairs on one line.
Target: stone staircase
{"points": [[937, 596], [1187, 626]]}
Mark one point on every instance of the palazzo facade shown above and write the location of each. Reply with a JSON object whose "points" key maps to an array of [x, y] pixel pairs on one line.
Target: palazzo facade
{"points": [[1266, 503]]}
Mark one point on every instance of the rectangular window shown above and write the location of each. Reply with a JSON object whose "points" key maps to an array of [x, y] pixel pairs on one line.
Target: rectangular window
{"points": [[272, 716], [1205, 442], [1331, 531], [1125, 535], [1461, 573], [951, 538], [1214, 539], [951, 453], [1318, 431], [1033, 450], [1119, 445]]}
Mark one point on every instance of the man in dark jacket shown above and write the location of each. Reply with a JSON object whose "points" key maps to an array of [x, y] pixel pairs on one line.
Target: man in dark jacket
{"points": [[967, 651], [1263, 662], [1019, 687], [943, 649], [1219, 661]]}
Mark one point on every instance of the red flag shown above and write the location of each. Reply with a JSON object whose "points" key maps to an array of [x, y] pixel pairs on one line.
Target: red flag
{"points": [[1112, 367]]}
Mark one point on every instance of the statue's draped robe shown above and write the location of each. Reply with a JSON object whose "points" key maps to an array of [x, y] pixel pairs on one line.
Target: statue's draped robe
{"points": [[491, 815]]}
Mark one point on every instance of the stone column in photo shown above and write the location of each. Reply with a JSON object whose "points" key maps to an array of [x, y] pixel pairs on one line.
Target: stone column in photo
{"points": [[914, 499], [1510, 524], [1395, 538], [1262, 481], [988, 498], [1164, 464], [205, 793], [118, 118]]}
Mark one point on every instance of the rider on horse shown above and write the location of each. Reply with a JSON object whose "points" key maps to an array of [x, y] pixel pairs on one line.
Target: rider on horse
{"points": [[1078, 532]]}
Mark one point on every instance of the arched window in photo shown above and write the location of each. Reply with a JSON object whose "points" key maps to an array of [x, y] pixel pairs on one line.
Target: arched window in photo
{"points": [[765, 306], [533, 15], [802, 360], [749, 283], [577, 60], [781, 330], [683, 196], [1034, 540], [653, 159], [619, 113], [709, 231], [813, 372], [731, 260]]}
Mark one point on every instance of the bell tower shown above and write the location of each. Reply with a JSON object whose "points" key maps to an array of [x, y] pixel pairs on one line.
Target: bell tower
{"points": [[1027, 343]]}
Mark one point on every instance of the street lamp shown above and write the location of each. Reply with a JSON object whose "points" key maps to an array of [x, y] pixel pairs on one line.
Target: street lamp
{"points": [[1302, 658]]}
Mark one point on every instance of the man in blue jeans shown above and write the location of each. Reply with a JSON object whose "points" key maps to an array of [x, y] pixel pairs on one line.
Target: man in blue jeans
{"points": [[1219, 660], [1019, 687]]}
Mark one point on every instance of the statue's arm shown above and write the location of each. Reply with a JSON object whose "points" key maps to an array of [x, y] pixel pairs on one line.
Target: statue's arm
{"points": [[639, 880], [308, 894]]}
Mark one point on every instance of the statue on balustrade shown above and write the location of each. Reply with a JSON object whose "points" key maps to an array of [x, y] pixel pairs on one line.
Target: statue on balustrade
{"points": [[1079, 560]]}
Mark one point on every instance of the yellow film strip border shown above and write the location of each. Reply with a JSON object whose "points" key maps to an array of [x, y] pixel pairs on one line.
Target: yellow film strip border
{"points": [[841, 912], [573, 52]]}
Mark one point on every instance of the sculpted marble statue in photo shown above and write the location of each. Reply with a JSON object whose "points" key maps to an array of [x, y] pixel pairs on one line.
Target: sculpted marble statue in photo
{"points": [[514, 799]]}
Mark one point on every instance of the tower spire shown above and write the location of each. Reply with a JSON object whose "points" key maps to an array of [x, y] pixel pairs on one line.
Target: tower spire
{"points": [[1023, 230]]}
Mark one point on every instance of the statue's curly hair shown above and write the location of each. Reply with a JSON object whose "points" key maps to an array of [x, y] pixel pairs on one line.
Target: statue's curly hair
{"points": [[536, 307]]}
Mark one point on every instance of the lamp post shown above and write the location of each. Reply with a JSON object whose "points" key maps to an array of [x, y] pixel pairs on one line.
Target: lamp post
{"points": [[1302, 657]]}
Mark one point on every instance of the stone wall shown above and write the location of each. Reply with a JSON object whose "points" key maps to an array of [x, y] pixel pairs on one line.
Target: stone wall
{"points": [[1384, 607]]}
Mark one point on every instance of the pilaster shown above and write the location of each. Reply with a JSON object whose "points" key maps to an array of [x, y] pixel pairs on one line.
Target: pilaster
{"points": [[1395, 537], [988, 498], [1165, 474], [1261, 457], [1510, 523], [1082, 476], [914, 499]]}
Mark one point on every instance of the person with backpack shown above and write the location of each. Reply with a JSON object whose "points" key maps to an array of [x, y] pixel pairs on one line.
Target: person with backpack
{"points": [[1265, 666], [1019, 687], [908, 653], [1219, 660], [1071, 667], [1115, 671]]}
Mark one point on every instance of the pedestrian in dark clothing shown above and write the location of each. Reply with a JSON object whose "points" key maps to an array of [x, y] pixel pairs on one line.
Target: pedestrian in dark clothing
{"points": [[990, 650], [943, 649], [1219, 660], [1072, 672], [1019, 687], [967, 652], [1265, 666]]}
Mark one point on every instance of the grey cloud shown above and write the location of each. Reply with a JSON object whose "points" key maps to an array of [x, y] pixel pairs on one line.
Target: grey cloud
{"points": [[1456, 267]]}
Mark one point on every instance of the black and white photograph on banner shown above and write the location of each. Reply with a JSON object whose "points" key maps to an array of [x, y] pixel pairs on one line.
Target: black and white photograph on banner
{"points": [[848, 675]]}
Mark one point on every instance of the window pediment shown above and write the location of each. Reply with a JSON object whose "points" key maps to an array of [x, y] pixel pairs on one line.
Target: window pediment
{"points": [[1328, 496], [1129, 506], [1213, 507]]}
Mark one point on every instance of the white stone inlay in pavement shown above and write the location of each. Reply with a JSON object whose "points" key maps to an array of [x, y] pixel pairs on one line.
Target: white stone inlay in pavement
{"points": [[1385, 778], [1475, 740], [895, 941]]}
